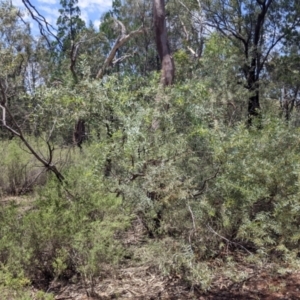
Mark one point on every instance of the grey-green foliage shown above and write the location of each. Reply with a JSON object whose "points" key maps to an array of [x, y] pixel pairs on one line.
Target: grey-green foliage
{"points": [[245, 181], [62, 232], [15, 46], [175, 164], [176, 159], [120, 115], [255, 198]]}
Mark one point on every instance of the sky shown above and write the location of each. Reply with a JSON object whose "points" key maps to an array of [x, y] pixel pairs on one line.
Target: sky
{"points": [[90, 10]]}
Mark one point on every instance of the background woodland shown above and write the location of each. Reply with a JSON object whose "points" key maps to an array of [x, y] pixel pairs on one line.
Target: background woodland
{"points": [[168, 137]]}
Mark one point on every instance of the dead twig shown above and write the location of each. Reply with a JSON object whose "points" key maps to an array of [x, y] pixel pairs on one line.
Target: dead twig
{"points": [[227, 240]]}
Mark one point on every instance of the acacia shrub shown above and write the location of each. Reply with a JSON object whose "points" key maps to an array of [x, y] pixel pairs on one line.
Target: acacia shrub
{"points": [[65, 231], [255, 198], [209, 185]]}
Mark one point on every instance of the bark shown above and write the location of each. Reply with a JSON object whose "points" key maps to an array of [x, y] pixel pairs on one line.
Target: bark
{"points": [[168, 68], [256, 63], [253, 107], [73, 59], [79, 134], [287, 102], [253, 87]]}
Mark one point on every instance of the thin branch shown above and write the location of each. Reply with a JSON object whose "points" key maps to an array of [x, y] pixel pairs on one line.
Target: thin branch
{"points": [[51, 131], [187, 39], [205, 183], [227, 240], [28, 185], [192, 215], [42, 22], [268, 52], [120, 59], [193, 220], [18, 132]]}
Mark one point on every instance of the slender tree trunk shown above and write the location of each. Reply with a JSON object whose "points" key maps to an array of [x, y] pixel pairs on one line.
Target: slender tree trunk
{"points": [[253, 101], [252, 75], [253, 107], [168, 68], [256, 64]]}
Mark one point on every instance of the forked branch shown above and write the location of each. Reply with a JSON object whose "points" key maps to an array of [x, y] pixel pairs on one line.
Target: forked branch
{"points": [[121, 40]]}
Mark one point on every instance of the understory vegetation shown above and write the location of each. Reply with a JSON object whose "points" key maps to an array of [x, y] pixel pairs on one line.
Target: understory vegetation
{"points": [[182, 178], [201, 190]]}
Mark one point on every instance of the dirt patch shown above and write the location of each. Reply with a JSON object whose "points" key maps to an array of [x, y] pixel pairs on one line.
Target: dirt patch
{"points": [[264, 286]]}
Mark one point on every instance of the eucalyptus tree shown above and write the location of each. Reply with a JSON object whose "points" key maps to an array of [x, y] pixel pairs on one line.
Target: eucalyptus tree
{"points": [[255, 28], [70, 27], [185, 21], [162, 44], [15, 51], [15, 48]]}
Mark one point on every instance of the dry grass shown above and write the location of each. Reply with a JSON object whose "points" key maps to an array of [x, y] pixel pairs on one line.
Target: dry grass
{"points": [[128, 283], [143, 283]]}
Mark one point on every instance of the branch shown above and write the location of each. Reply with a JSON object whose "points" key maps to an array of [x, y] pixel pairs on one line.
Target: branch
{"points": [[227, 240], [205, 183], [121, 40], [5, 124], [73, 57], [268, 52], [123, 28], [41, 22], [18, 132], [187, 39], [120, 59], [51, 131], [192, 215]]}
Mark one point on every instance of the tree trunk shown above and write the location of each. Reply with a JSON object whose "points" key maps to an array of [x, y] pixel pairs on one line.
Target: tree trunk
{"points": [[168, 68], [253, 107], [79, 134], [253, 101], [253, 86]]}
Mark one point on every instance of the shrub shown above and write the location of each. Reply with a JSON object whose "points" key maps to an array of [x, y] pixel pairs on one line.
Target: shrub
{"points": [[19, 171], [68, 230], [255, 199]]}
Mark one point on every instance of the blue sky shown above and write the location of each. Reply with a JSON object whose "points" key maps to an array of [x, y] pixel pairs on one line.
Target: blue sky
{"points": [[90, 9]]}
